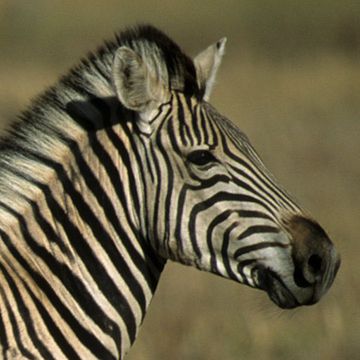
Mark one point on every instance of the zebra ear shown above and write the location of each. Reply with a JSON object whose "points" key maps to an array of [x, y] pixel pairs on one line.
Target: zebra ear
{"points": [[136, 87], [207, 64]]}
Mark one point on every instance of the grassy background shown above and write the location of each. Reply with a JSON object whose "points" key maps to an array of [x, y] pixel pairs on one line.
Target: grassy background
{"points": [[291, 81]]}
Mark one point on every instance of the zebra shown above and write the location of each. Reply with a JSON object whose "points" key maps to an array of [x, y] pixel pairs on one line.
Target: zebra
{"points": [[120, 166]]}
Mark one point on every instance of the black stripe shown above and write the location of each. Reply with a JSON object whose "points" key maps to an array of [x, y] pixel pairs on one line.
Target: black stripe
{"points": [[3, 336], [253, 214], [260, 246], [211, 129], [113, 172], [173, 136], [149, 167], [188, 119], [203, 125], [167, 177], [180, 119], [195, 124], [155, 237], [209, 182], [179, 215], [257, 229], [226, 256], [209, 237]]}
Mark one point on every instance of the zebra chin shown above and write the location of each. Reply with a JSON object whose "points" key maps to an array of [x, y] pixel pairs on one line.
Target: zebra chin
{"points": [[270, 282]]}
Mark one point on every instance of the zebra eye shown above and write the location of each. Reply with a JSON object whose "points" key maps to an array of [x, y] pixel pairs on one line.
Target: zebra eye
{"points": [[201, 157]]}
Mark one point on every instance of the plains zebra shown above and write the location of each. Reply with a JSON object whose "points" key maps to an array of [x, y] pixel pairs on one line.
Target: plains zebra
{"points": [[120, 166]]}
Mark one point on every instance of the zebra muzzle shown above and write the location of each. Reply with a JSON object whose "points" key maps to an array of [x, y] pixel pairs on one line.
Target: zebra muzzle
{"points": [[316, 261]]}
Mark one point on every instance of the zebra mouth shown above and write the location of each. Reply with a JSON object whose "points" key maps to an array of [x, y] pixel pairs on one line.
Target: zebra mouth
{"points": [[277, 291]]}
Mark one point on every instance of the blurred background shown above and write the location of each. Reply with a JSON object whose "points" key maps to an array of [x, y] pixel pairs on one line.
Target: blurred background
{"points": [[291, 80]]}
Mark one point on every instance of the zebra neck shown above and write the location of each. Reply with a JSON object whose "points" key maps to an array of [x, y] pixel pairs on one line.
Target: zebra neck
{"points": [[71, 210]]}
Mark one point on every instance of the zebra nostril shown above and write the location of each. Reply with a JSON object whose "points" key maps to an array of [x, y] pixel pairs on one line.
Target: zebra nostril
{"points": [[315, 264], [308, 272], [299, 278]]}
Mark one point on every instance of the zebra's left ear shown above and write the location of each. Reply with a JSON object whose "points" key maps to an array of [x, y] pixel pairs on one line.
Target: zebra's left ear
{"points": [[137, 86], [207, 64]]}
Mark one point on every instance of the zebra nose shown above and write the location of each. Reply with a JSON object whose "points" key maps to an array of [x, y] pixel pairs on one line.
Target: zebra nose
{"points": [[316, 261]]}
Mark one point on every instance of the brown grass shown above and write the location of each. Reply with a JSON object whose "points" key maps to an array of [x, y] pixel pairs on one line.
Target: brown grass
{"points": [[303, 116]]}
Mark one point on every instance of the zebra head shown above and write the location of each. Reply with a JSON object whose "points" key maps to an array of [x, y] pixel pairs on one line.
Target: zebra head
{"points": [[209, 201]]}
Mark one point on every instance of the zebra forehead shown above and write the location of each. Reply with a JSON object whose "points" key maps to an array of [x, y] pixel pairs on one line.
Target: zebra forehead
{"points": [[226, 127]]}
